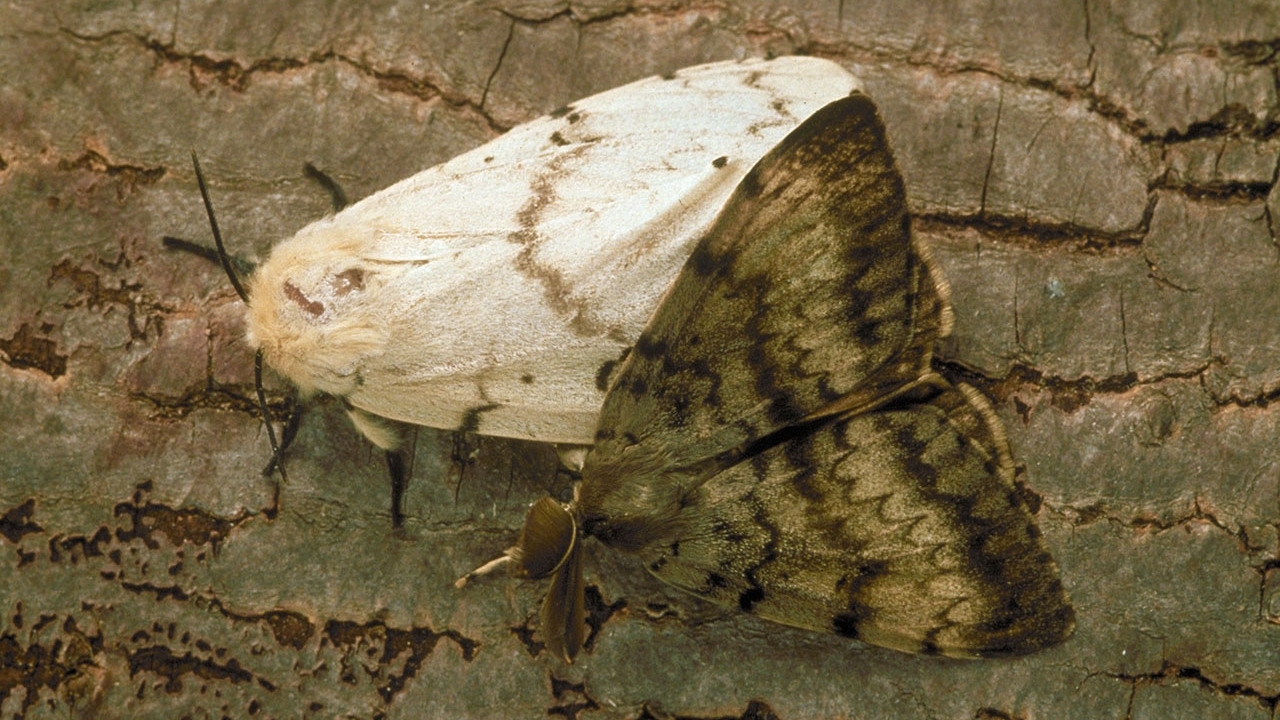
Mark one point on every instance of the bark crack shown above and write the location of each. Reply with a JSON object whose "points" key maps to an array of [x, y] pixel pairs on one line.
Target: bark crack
{"points": [[1171, 673], [991, 156]]}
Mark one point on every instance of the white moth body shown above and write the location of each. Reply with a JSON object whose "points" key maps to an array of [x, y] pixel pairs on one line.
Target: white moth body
{"points": [[495, 292]]}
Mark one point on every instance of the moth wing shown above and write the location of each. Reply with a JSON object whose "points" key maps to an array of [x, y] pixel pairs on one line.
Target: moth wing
{"points": [[902, 528], [563, 611], [549, 545], [806, 294], [495, 292]]}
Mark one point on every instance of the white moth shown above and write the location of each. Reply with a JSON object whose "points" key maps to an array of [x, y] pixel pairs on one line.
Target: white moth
{"points": [[496, 293]]}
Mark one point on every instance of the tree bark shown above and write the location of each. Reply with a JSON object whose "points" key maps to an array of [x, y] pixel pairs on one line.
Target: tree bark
{"points": [[1097, 181]]}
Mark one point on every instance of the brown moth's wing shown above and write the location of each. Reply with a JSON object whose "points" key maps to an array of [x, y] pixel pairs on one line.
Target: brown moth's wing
{"points": [[563, 614], [807, 290], [901, 527]]}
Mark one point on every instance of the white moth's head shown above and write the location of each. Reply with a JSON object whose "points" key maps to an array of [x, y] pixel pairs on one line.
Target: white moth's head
{"points": [[308, 310]]}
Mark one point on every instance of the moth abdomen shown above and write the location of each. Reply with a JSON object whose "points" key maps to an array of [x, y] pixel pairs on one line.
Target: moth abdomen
{"points": [[630, 533]]}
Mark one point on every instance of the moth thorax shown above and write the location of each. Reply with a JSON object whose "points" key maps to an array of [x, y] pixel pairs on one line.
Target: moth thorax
{"points": [[636, 513]]}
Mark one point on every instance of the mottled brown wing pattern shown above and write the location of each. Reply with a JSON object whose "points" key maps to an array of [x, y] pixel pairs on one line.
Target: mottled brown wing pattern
{"points": [[777, 441], [806, 290], [900, 527]]}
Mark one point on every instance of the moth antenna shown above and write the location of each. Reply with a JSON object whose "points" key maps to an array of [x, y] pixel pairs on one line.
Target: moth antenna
{"points": [[271, 433], [563, 614], [217, 236], [336, 195], [225, 259], [547, 543]]}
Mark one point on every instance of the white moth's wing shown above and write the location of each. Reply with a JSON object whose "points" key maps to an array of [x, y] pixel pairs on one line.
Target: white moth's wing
{"points": [[496, 292], [900, 527]]}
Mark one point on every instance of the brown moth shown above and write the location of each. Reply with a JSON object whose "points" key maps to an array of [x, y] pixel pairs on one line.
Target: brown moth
{"points": [[778, 441]]}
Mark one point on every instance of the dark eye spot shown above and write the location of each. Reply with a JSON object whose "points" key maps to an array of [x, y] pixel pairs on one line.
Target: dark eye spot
{"points": [[309, 306], [348, 281]]}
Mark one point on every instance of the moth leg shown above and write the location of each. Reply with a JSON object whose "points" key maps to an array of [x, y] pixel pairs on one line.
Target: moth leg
{"points": [[399, 441], [485, 569], [288, 432], [269, 513], [242, 266], [466, 447], [336, 194], [400, 467]]}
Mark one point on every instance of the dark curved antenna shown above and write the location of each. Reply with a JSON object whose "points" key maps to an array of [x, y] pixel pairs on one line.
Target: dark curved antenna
{"points": [[225, 259], [217, 236]]}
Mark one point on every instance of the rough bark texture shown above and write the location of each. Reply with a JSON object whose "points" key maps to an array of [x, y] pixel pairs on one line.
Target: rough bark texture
{"points": [[1098, 180]]}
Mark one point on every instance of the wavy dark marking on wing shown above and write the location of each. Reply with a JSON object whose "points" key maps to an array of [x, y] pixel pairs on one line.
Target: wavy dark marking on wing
{"points": [[314, 308], [471, 418], [885, 527], [555, 288], [608, 370], [755, 593], [770, 320]]}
